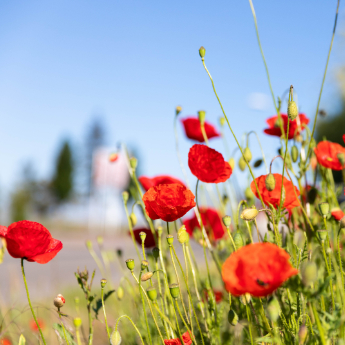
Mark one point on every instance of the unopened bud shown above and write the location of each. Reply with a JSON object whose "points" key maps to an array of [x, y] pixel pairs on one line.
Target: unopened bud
{"points": [[249, 214], [222, 121], [238, 240], [232, 163], [130, 264], [324, 208], [232, 317], [270, 182], [273, 309], [88, 244], [174, 290], [115, 338], [170, 239], [299, 138], [152, 293], [227, 221], [119, 252], [202, 115], [257, 163], [125, 196], [292, 110], [155, 252], [178, 109], [144, 264], [59, 301], [182, 235], [120, 293], [159, 231], [145, 277], [249, 194], [202, 52], [77, 322], [341, 158], [247, 154], [309, 273], [302, 334], [242, 164], [294, 153], [322, 234], [133, 219], [100, 240], [245, 298], [133, 162], [103, 283]]}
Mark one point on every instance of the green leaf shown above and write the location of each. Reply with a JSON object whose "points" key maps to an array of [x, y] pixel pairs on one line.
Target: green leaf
{"points": [[98, 305], [69, 335], [22, 340]]}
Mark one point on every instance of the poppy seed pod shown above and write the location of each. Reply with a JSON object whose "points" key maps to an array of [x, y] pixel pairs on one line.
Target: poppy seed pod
{"points": [[247, 154], [227, 221], [232, 317], [292, 110], [125, 196], [249, 214], [309, 273], [77, 322], [155, 252], [273, 309], [324, 209], [270, 182], [133, 219], [174, 290], [242, 164], [130, 264], [103, 283], [302, 334], [178, 109], [145, 277], [59, 301], [232, 163], [115, 338], [120, 293], [322, 234], [142, 235], [152, 293], [202, 116], [170, 239], [238, 240], [202, 52], [144, 264], [294, 153], [222, 121]]}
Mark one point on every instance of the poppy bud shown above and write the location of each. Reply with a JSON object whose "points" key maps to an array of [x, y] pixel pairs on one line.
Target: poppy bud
{"points": [[202, 115], [115, 338], [103, 283], [322, 234], [145, 277], [88, 244], [302, 334], [248, 194], [249, 214], [76, 300], [202, 52], [77, 322], [120, 293], [324, 209], [159, 231], [312, 143], [119, 252], [231, 163], [247, 154], [227, 221], [170, 239], [238, 240], [341, 158], [270, 182], [178, 109], [142, 236], [299, 138], [130, 264], [242, 164], [144, 264], [182, 235], [59, 301], [152, 293], [174, 290], [309, 273], [100, 240], [222, 121], [294, 153], [232, 317], [125, 196], [278, 122], [133, 162], [292, 110], [273, 309], [257, 163], [155, 252], [133, 219]]}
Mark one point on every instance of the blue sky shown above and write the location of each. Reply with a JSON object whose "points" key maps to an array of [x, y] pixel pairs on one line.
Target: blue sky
{"points": [[61, 62]]}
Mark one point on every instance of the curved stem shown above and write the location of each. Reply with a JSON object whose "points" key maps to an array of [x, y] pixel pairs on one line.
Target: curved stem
{"points": [[28, 296], [136, 328]]}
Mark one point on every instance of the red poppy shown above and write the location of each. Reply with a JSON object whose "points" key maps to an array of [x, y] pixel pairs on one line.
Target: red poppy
{"points": [[30, 241], [168, 201], [193, 129], [208, 165], [212, 222], [257, 269], [5, 341], [290, 201], [149, 240], [344, 138], [275, 130], [34, 327], [218, 295], [326, 153], [147, 182], [185, 337], [337, 214]]}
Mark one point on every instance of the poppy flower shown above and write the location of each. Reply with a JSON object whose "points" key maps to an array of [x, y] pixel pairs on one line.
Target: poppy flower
{"points": [[168, 201], [185, 337], [31, 241], [149, 240], [257, 269], [337, 214], [275, 130], [289, 202], [192, 129], [147, 182], [208, 165], [5, 341], [212, 222], [326, 153], [34, 327]]}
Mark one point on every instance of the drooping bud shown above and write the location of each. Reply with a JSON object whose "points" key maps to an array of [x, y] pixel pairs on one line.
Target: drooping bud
{"points": [[202, 115], [302, 334], [309, 273], [142, 236], [77, 322], [133, 162], [120, 293], [257, 163], [299, 138], [322, 234], [232, 317], [133, 219], [103, 283], [227, 221], [242, 164], [273, 309], [202, 52], [238, 239], [59, 301], [125, 196], [324, 209], [155, 252], [144, 264], [152, 293], [292, 110], [294, 153], [130, 264], [145, 277], [115, 338], [232, 163], [182, 235], [170, 240], [270, 182], [174, 290], [249, 214], [247, 154], [178, 109], [248, 194], [222, 121]]}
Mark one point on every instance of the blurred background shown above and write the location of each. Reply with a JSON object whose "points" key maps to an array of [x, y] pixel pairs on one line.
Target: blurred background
{"points": [[78, 78]]}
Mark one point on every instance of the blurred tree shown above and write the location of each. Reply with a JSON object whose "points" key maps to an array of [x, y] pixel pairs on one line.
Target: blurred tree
{"points": [[62, 182]]}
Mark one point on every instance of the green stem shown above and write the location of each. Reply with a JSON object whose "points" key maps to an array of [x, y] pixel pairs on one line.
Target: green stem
{"points": [[319, 326], [249, 325], [28, 296], [105, 315], [136, 328], [77, 333], [145, 314], [63, 328], [185, 324]]}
